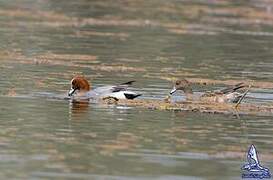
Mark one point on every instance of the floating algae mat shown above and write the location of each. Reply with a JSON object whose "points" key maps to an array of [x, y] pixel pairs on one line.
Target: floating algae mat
{"points": [[203, 107]]}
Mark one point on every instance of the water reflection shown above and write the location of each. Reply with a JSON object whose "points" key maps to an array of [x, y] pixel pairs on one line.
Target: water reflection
{"points": [[78, 107], [91, 139]]}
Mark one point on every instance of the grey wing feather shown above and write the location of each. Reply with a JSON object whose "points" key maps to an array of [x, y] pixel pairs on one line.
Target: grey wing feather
{"points": [[104, 89], [122, 87], [112, 89]]}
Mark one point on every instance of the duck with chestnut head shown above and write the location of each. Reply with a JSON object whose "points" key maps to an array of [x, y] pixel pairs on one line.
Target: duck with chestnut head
{"points": [[81, 89]]}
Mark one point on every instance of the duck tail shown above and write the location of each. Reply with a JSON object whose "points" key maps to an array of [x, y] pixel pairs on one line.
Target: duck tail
{"points": [[131, 96], [238, 86], [232, 88], [128, 83]]}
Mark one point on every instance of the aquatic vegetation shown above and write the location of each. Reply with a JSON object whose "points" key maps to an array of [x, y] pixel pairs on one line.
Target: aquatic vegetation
{"points": [[203, 107]]}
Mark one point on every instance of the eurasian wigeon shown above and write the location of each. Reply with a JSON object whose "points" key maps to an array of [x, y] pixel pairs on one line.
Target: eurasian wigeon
{"points": [[226, 95], [80, 88]]}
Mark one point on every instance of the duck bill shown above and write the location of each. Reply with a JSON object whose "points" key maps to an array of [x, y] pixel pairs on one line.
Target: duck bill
{"points": [[71, 92], [173, 90]]}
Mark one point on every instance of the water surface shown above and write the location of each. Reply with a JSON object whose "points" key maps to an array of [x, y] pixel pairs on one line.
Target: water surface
{"points": [[45, 43]]}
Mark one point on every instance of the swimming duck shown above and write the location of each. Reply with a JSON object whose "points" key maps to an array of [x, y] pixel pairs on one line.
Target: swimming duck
{"points": [[80, 88], [225, 95]]}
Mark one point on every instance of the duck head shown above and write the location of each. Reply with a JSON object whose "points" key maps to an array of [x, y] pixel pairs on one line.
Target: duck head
{"points": [[78, 84], [182, 85]]}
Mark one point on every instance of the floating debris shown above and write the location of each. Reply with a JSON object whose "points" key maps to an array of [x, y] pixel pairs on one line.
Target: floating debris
{"points": [[203, 107], [11, 92]]}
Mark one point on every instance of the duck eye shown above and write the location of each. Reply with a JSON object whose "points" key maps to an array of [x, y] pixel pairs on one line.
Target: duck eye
{"points": [[177, 83]]}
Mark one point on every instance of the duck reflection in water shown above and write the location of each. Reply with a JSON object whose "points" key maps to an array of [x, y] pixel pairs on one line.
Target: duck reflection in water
{"points": [[79, 107]]}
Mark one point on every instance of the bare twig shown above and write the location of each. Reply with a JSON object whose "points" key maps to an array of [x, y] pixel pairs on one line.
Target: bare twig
{"points": [[243, 96]]}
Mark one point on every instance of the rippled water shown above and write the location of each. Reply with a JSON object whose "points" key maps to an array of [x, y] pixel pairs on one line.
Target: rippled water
{"points": [[44, 43]]}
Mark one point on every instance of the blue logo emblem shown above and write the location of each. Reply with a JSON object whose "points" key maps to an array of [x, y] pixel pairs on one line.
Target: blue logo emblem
{"points": [[253, 168]]}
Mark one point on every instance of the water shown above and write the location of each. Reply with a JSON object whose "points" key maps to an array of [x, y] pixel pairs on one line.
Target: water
{"points": [[45, 43]]}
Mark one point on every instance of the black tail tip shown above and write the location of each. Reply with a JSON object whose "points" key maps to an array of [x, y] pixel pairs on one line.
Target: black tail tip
{"points": [[131, 96], [128, 83]]}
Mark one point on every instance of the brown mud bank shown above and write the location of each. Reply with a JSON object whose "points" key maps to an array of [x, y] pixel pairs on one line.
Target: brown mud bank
{"points": [[203, 107]]}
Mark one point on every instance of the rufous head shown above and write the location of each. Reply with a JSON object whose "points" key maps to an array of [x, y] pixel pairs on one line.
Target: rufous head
{"points": [[79, 84]]}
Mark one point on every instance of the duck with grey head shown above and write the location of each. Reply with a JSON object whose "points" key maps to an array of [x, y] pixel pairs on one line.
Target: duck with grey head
{"points": [[226, 95]]}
